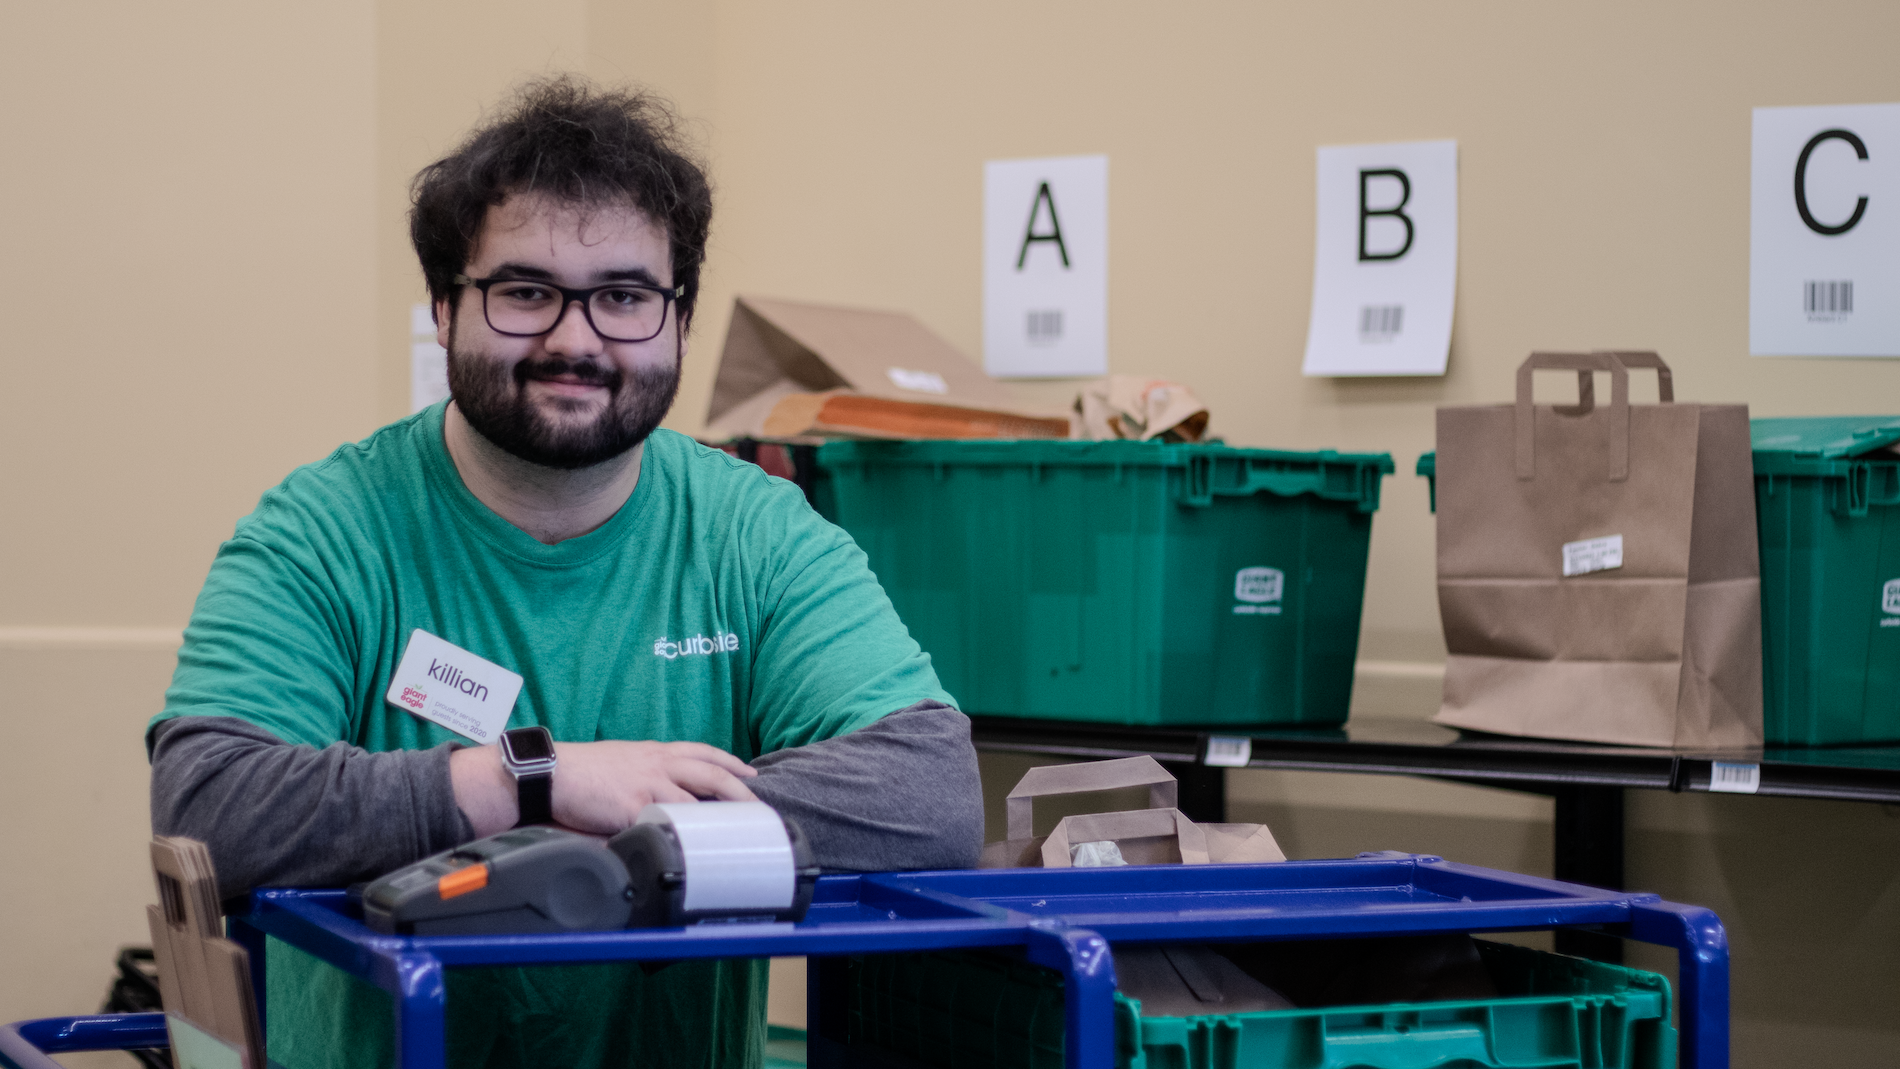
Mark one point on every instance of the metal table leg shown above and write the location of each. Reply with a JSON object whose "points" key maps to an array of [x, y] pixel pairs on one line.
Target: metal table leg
{"points": [[421, 1030], [1588, 844], [1702, 974], [1202, 789], [1088, 993]]}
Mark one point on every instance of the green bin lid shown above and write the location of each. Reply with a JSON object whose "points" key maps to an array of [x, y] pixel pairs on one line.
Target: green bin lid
{"points": [[1427, 464], [1231, 470], [1814, 445]]}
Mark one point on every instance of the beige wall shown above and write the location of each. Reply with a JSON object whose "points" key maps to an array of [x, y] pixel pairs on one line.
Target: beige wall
{"points": [[209, 283]]}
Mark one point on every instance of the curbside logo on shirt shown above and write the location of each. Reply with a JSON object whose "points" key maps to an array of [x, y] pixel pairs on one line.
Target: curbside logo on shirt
{"points": [[445, 684], [698, 645], [1890, 603]]}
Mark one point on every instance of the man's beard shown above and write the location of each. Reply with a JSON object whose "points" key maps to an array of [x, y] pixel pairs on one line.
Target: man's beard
{"points": [[494, 399]]}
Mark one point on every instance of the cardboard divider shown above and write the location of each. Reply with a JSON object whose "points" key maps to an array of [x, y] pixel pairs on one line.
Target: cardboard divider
{"points": [[204, 979], [1159, 835]]}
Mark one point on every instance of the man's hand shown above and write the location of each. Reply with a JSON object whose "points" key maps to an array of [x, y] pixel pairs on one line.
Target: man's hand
{"points": [[599, 787]]}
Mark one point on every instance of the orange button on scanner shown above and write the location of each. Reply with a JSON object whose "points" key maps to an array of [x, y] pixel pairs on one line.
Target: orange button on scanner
{"points": [[462, 881]]}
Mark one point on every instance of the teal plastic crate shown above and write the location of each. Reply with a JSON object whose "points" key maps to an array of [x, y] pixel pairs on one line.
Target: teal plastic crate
{"points": [[1827, 502], [963, 1009], [1124, 582]]}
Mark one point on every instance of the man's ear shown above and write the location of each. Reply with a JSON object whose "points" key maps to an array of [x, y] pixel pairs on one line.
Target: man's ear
{"points": [[441, 309]]}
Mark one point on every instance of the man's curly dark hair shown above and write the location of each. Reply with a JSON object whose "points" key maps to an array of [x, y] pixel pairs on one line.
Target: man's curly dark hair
{"points": [[578, 144]]}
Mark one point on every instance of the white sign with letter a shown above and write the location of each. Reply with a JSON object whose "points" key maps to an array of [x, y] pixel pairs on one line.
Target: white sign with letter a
{"points": [[1824, 232], [1045, 267], [1385, 259]]}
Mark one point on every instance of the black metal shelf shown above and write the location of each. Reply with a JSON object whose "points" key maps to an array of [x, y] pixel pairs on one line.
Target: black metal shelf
{"points": [[1419, 748], [1586, 781]]}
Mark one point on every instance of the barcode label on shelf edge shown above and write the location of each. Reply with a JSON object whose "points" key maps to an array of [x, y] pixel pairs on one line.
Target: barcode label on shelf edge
{"points": [[1228, 751], [1734, 778]]}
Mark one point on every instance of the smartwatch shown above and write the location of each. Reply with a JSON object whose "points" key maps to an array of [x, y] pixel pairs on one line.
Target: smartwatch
{"points": [[528, 755]]}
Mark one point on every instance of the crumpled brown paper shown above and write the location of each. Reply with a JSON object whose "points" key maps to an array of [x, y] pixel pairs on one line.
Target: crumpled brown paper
{"points": [[1134, 406]]}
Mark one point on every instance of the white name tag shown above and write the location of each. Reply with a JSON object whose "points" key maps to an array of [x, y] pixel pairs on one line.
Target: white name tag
{"points": [[444, 683], [1593, 555]]}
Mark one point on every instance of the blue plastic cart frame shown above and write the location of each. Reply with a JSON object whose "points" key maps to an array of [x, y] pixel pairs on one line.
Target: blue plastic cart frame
{"points": [[1064, 919]]}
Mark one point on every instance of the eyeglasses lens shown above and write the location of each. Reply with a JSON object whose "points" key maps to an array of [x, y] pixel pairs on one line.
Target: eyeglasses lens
{"points": [[618, 314]]}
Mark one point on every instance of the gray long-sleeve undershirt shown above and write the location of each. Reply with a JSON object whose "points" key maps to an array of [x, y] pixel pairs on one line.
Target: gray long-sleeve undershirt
{"points": [[901, 793]]}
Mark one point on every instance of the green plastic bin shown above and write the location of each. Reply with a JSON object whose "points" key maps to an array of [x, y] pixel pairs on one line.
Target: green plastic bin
{"points": [[1827, 501], [1123, 582], [964, 1009]]}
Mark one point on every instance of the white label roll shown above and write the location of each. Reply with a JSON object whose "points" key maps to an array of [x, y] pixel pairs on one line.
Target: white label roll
{"points": [[738, 857]]}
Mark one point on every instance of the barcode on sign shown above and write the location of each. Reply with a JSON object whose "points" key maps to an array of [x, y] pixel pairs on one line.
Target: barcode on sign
{"points": [[1045, 327], [1381, 322], [1828, 298], [1229, 751], [1734, 778]]}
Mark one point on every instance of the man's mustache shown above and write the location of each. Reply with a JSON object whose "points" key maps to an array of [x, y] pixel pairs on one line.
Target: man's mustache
{"points": [[586, 372]]}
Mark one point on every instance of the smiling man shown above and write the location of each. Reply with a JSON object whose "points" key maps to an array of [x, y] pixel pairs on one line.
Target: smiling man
{"points": [[682, 625]]}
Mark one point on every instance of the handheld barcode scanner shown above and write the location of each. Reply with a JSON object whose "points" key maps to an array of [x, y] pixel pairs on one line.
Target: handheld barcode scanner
{"points": [[701, 862], [682, 864]]}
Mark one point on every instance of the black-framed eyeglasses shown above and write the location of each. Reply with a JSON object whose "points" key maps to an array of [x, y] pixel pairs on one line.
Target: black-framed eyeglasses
{"points": [[529, 308]]}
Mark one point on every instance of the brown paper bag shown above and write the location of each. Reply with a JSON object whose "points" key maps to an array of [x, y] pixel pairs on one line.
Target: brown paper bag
{"points": [[1130, 406], [1663, 649], [1158, 835]]}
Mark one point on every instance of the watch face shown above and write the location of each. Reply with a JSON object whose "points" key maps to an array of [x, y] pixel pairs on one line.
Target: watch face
{"points": [[530, 744]]}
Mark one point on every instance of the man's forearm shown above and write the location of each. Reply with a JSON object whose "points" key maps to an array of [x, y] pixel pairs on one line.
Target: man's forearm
{"points": [[273, 813], [902, 793], [899, 794]]}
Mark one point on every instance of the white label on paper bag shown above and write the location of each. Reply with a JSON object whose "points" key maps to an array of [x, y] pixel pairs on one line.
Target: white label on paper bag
{"points": [[1593, 555], [917, 381], [1734, 778], [1228, 751], [445, 684]]}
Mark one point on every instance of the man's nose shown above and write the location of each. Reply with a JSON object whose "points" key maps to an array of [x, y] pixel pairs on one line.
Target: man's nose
{"points": [[573, 335]]}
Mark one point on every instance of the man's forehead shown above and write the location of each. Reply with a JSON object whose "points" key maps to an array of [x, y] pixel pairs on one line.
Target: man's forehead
{"points": [[535, 222]]}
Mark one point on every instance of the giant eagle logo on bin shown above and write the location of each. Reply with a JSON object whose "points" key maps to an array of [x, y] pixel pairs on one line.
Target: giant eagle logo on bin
{"points": [[1890, 602], [1260, 589]]}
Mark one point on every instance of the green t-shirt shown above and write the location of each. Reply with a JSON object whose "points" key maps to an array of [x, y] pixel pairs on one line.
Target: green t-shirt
{"points": [[307, 609]]}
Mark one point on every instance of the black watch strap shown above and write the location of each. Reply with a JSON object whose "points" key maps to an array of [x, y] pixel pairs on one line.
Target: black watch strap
{"points": [[528, 755], [535, 794]]}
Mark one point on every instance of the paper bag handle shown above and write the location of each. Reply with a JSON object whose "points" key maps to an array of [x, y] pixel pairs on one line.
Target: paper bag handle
{"points": [[1129, 824], [1665, 381], [1052, 780]]}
